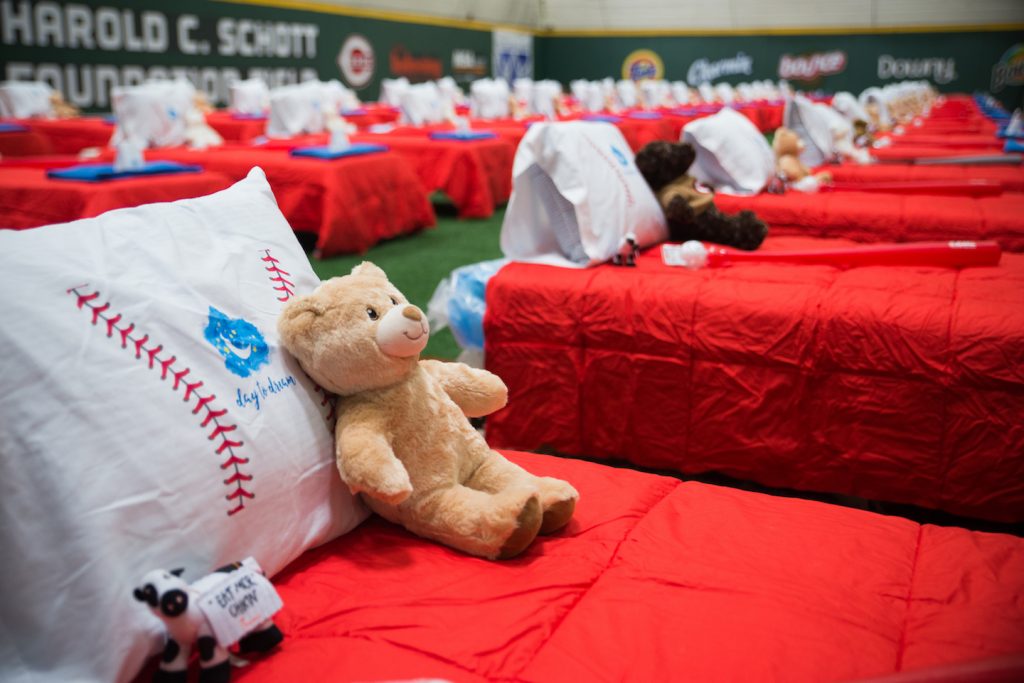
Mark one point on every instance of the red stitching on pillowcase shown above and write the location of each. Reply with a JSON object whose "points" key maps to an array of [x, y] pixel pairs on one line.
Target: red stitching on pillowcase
{"points": [[283, 284], [203, 403]]}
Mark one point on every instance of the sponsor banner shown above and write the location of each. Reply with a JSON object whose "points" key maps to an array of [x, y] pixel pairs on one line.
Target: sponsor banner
{"points": [[356, 61], [402, 62], [512, 55], [704, 70], [467, 65], [811, 67], [940, 70], [642, 64], [1010, 69]]}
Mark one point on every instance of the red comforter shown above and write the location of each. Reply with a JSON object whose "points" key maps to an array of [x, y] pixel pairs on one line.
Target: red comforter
{"points": [[1010, 177], [877, 217], [890, 383], [654, 580]]}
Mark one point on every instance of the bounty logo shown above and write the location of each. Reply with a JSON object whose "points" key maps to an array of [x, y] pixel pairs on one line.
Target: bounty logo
{"points": [[243, 347], [1010, 69]]}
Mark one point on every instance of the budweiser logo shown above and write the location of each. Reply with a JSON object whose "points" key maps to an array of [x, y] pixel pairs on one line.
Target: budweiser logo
{"points": [[809, 67]]}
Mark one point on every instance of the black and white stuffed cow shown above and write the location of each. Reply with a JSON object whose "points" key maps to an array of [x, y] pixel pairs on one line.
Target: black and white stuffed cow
{"points": [[175, 603]]}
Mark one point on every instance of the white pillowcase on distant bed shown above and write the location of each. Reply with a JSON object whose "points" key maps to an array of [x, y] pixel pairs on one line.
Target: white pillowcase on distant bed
{"points": [[150, 420]]}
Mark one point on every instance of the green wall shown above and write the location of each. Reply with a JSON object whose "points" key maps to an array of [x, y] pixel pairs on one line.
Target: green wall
{"points": [[84, 45], [955, 62]]}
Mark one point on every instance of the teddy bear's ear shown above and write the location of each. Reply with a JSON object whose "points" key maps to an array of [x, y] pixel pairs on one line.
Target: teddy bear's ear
{"points": [[367, 269], [296, 318]]}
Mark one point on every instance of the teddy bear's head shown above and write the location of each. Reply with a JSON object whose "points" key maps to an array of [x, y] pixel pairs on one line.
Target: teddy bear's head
{"points": [[661, 162], [355, 332], [787, 143]]}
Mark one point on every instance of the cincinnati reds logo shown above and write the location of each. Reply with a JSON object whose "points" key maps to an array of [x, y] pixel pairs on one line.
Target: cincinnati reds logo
{"points": [[356, 60]]}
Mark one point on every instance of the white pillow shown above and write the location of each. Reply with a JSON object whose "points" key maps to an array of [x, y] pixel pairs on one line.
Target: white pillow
{"points": [[155, 113], [732, 155], [251, 96], [135, 346], [576, 193], [25, 99]]}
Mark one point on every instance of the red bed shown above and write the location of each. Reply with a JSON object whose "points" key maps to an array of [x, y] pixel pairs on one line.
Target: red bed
{"points": [[656, 579], [349, 203], [877, 217], [1010, 177], [29, 199], [890, 383]]}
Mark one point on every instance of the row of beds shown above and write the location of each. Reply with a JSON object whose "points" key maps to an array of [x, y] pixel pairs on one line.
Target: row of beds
{"points": [[841, 391], [901, 385]]}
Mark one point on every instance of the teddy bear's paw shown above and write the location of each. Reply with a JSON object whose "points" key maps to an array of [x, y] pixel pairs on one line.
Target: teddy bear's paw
{"points": [[557, 516], [527, 525]]}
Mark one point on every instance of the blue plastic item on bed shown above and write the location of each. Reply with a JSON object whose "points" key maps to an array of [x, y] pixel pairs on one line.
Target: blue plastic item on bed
{"points": [[325, 152], [606, 118], [94, 173], [239, 116], [645, 115], [462, 135], [1013, 145], [13, 128]]}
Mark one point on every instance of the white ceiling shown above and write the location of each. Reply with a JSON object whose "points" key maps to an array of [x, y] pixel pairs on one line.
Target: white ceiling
{"points": [[682, 15]]}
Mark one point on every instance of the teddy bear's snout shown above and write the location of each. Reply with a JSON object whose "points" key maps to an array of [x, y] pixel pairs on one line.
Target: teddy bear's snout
{"points": [[403, 331]]}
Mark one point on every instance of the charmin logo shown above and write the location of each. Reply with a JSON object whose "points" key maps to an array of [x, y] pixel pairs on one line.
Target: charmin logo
{"points": [[704, 71], [1010, 69], [243, 347], [938, 69], [642, 64], [356, 60], [810, 67]]}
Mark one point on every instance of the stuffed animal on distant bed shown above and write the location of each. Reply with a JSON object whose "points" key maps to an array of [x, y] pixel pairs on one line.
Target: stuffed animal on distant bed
{"points": [[176, 604], [403, 437], [787, 146], [689, 207]]}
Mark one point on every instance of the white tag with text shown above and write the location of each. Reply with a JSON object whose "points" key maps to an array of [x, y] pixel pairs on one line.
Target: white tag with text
{"points": [[238, 604]]}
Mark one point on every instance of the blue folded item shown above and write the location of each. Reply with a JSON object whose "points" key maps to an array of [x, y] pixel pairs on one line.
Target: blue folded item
{"points": [[110, 120], [1011, 136], [645, 115], [13, 128], [353, 112], [100, 172], [1014, 145], [462, 135], [607, 118], [238, 116], [325, 152]]}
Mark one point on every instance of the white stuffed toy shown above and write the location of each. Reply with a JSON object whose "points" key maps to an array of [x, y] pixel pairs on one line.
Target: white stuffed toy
{"points": [[177, 604]]}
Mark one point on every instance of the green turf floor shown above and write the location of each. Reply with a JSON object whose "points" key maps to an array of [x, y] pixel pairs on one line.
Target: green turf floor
{"points": [[417, 263]]}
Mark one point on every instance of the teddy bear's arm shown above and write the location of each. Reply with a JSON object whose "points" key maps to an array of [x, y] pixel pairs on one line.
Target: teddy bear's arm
{"points": [[366, 461], [476, 392]]}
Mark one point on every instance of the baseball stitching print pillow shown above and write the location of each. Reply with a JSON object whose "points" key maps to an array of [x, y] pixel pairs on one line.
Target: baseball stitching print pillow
{"points": [[150, 420]]}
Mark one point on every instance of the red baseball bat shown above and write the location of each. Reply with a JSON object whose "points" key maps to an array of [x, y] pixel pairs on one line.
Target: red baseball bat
{"points": [[953, 254]]}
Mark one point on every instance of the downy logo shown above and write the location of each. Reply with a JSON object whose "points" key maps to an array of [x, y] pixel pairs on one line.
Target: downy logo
{"points": [[703, 70], [938, 69], [810, 67]]}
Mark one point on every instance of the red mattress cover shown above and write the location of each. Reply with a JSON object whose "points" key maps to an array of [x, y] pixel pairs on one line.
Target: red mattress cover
{"points": [[654, 579], [882, 217], [28, 199], [1010, 177], [890, 383], [350, 203]]}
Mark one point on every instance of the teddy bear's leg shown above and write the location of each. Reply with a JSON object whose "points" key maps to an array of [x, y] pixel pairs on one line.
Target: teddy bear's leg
{"points": [[173, 663], [489, 524], [557, 498], [743, 230]]}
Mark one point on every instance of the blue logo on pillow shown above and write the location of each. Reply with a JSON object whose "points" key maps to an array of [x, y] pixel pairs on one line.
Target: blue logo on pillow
{"points": [[243, 347], [619, 156]]}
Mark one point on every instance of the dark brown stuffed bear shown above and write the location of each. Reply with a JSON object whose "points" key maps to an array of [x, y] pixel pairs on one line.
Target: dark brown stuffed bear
{"points": [[689, 208]]}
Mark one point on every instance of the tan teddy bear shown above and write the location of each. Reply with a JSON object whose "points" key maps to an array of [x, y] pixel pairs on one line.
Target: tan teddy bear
{"points": [[787, 146], [403, 440]]}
